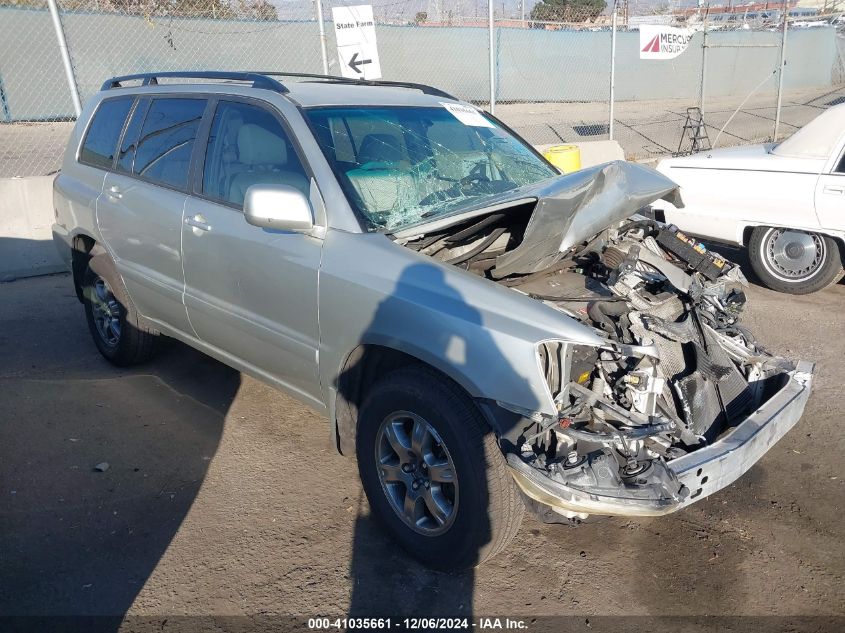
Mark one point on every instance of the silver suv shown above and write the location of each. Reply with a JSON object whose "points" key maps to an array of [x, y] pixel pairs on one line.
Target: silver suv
{"points": [[483, 334]]}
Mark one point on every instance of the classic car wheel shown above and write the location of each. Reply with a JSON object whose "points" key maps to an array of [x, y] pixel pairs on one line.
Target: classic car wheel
{"points": [[433, 472], [794, 261], [111, 316]]}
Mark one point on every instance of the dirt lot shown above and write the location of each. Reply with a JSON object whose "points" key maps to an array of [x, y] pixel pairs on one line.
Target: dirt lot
{"points": [[224, 497]]}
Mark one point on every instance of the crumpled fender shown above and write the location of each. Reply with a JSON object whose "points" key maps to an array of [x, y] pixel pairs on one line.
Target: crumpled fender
{"points": [[478, 333]]}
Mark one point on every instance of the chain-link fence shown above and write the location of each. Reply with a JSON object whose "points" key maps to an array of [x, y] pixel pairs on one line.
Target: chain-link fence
{"points": [[550, 71]]}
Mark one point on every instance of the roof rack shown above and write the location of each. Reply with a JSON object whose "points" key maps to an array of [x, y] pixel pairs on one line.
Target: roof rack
{"points": [[259, 80], [265, 80], [425, 89]]}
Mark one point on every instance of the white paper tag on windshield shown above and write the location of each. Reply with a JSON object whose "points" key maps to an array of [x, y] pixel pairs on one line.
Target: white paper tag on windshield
{"points": [[467, 115]]}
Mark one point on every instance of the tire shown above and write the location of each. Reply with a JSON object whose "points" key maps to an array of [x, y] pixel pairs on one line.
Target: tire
{"points": [[112, 318], [792, 261], [486, 509]]}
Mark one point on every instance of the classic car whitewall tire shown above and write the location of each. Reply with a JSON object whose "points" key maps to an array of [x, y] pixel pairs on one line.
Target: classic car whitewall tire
{"points": [[423, 445], [793, 261]]}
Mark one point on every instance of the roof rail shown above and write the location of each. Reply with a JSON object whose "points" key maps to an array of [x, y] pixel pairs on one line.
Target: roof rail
{"points": [[265, 80], [429, 90], [259, 80]]}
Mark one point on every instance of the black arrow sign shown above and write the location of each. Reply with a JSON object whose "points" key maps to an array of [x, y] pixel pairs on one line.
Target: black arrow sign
{"points": [[355, 62]]}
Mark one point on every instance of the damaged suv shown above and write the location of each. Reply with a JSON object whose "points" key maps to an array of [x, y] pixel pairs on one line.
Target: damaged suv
{"points": [[484, 334]]}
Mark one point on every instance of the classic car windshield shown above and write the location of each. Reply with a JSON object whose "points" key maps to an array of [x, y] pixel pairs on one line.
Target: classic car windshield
{"points": [[817, 139], [404, 165]]}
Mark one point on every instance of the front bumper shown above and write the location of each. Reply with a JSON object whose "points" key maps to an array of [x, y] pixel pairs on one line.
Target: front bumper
{"points": [[702, 472]]}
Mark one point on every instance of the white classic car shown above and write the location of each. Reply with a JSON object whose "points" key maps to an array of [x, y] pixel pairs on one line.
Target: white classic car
{"points": [[785, 202]]}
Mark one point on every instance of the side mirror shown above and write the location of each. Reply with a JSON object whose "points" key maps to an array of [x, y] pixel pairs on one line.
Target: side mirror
{"points": [[277, 207]]}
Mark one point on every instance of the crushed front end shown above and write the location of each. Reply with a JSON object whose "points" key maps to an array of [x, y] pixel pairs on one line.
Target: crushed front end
{"points": [[680, 400]]}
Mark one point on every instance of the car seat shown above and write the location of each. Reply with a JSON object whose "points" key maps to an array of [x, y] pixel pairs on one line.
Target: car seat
{"points": [[382, 179], [265, 156]]}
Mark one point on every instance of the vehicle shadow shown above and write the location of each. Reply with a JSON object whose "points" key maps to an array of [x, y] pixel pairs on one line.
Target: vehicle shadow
{"points": [[386, 580], [99, 466]]}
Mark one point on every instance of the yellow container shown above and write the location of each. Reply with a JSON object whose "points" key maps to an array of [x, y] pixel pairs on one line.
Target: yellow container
{"points": [[566, 158]]}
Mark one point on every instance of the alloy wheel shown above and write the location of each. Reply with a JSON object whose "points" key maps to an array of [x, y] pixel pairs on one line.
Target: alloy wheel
{"points": [[417, 473], [106, 312]]}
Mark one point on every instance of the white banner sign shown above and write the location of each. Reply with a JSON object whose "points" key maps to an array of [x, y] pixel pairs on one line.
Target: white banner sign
{"points": [[357, 52], [663, 42]]}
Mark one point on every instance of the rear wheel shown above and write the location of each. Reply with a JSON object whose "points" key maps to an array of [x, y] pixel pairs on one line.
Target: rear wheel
{"points": [[112, 318], [433, 472], [794, 261]]}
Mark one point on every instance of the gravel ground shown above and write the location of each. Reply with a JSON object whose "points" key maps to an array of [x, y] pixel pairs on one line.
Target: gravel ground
{"points": [[224, 497]]}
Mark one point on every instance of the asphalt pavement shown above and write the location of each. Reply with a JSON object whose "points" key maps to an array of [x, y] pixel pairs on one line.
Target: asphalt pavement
{"points": [[224, 497]]}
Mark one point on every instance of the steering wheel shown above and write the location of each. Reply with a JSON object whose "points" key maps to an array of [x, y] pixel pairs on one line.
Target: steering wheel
{"points": [[472, 180]]}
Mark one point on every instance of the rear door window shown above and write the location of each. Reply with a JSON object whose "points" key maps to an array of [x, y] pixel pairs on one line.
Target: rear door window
{"points": [[100, 142], [163, 153]]}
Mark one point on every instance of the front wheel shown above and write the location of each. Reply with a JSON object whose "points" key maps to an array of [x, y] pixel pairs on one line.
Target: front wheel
{"points": [[794, 261], [433, 472]]}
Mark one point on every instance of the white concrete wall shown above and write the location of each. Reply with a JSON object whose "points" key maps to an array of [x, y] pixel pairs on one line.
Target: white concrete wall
{"points": [[26, 239]]}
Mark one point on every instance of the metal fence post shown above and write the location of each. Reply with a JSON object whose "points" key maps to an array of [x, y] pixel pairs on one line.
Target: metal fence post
{"points": [[322, 36], [612, 71], [490, 24], [63, 51], [4, 103], [781, 68], [703, 62]]}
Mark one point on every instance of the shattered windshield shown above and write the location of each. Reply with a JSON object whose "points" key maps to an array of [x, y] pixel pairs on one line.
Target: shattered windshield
{"points": [[404, 165]]}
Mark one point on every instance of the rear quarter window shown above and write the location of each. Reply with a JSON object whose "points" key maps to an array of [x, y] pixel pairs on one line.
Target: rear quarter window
{"points": [[100, 142]]}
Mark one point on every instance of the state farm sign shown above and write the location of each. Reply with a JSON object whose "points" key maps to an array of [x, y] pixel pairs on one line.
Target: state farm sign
{"points": [[663, 42]]}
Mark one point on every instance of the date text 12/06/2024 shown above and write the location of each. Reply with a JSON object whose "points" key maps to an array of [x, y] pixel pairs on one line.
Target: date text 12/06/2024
{"points": [[410, 624]]}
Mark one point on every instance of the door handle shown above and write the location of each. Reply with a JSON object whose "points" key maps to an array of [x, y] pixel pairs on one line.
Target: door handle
{"points": [[114, 192], [198, 222], [833, 189]]}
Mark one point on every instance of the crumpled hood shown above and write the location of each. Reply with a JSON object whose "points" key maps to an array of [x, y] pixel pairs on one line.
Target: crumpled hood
{"points": [[573, 208]]}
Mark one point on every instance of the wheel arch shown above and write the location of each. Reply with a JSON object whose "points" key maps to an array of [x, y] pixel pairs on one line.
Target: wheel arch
{"points": [[746, 232], [840, 242], [83, 248], [362, 367]]}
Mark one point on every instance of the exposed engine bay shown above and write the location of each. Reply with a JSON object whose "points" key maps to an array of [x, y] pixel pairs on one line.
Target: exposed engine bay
{"points": [[679, 370]]}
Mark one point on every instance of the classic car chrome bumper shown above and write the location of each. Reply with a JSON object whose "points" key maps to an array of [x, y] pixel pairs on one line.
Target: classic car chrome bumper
{"points": [[702, 472]]}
